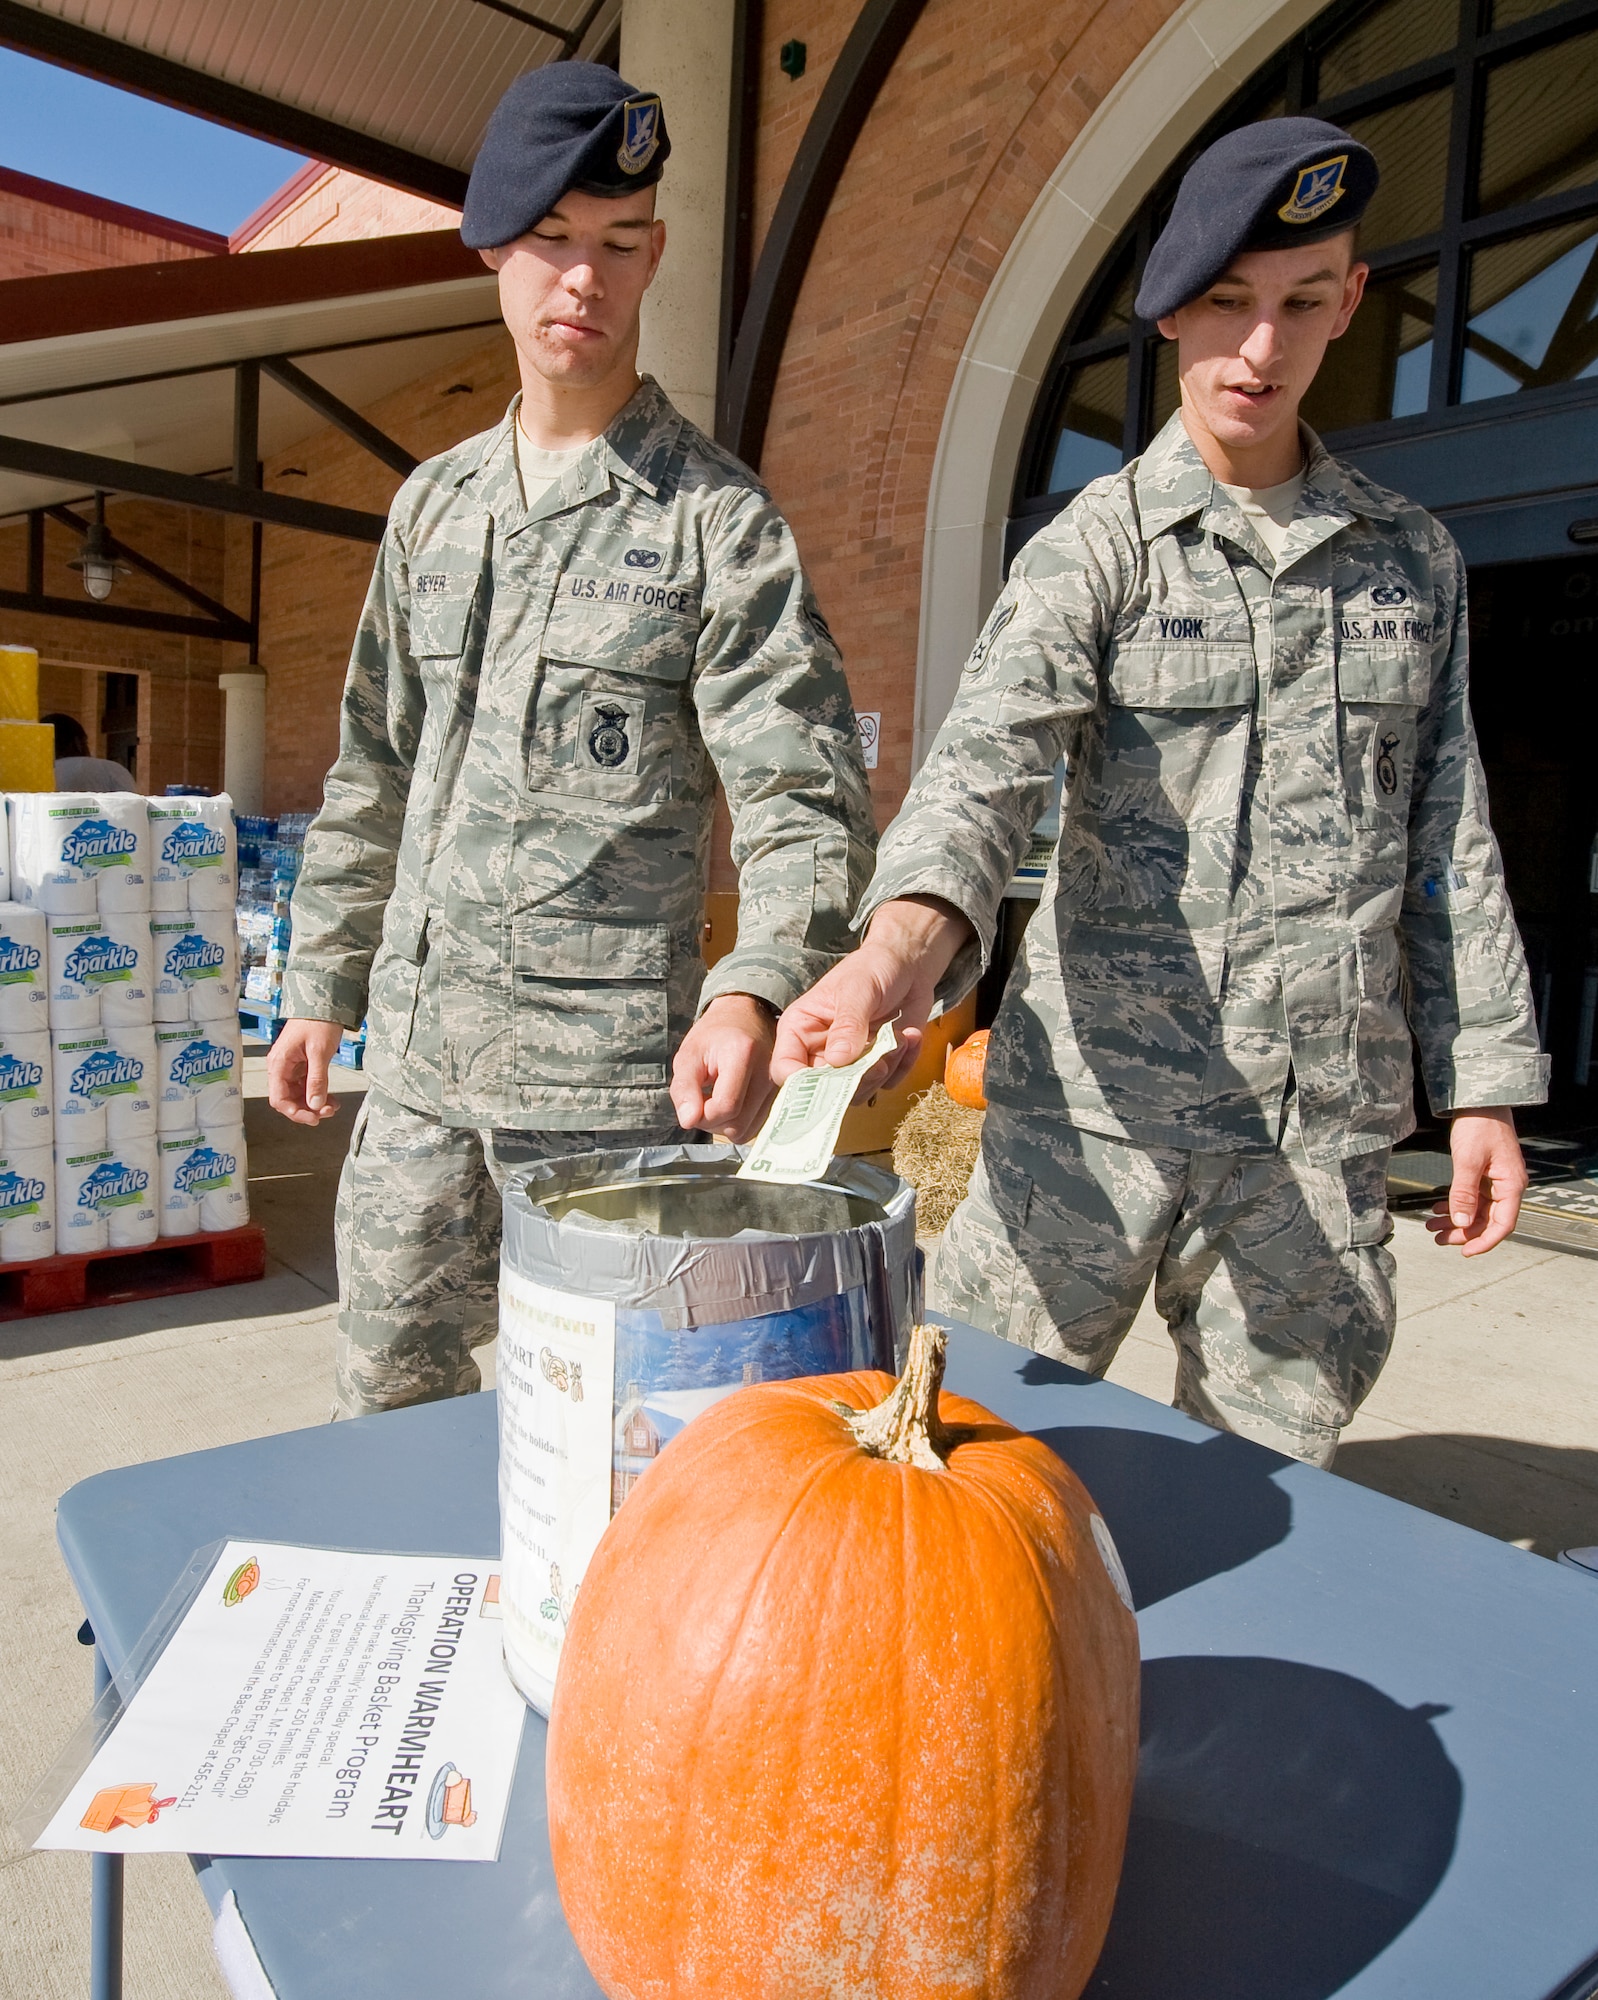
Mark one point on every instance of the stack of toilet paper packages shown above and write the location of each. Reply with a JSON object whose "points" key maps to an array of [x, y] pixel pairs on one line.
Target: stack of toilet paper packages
{"points": [[119, 1025]]}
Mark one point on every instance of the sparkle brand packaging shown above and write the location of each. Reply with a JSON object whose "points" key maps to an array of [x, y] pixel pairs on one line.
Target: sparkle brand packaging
{"points": [[115, 847], [106, 1197], [196, 967], [27, 1204], [27, 1093], [48, 860], [105, 1087], [199, 1076], [100, 972], [194, 855], [24, 970], [203, 1181]]}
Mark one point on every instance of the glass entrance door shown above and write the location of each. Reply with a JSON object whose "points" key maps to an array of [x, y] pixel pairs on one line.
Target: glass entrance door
{"points": [[1534, 695]]}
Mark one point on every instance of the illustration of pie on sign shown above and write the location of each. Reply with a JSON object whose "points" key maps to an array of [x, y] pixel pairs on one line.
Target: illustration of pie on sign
{"points": [[450, 1802], [241, 1582], [123, 1805]]}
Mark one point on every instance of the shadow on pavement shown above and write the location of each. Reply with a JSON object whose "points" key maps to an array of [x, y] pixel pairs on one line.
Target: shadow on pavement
{"points": [[1544, 1495], [1289, 1823]]}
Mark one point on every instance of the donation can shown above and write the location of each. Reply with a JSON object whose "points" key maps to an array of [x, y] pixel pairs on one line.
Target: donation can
{"points": [[636, 1289]]}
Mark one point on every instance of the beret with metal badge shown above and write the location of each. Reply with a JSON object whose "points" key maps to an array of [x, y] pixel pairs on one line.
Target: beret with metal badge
{"points": [[567, 125], [1269, 186]]}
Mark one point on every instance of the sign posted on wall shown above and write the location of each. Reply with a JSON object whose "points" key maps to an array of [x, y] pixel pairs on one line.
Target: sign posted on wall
{"points": [[313, 1702]]}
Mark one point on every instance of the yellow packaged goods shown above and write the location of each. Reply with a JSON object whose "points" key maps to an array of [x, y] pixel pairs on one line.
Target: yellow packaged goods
{"points": [[27, 757], [19, 684]]}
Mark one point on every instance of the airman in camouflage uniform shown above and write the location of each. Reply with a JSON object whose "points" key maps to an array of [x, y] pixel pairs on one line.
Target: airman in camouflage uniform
{"points": [[1274, 863], [507, 876]]}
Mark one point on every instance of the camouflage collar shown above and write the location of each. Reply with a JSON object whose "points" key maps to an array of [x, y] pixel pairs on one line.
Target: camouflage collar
{"points": [[637, 449], [1173, 483]]}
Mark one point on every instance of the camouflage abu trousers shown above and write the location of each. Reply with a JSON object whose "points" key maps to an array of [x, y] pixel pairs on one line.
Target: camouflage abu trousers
{"points": [[417, 1229], [1270, 1273]]}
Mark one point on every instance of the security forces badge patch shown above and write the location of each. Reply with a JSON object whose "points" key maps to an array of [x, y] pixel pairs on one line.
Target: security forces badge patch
{"points": [[1317, 189], [640, 139], [608, 733]]}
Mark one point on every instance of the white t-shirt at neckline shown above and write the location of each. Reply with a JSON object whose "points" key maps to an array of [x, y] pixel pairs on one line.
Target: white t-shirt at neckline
{"points": [[1269, 510]]}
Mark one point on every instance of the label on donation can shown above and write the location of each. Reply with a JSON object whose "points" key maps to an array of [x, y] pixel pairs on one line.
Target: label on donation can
{"points": [[556, 1372]]}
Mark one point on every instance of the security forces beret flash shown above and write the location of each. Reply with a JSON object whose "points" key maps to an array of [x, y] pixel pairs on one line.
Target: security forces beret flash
{"points": [[1269, 186], [567, 125]]}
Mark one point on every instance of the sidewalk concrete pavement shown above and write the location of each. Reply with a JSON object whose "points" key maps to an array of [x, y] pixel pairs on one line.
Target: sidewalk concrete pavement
{"points": [[1488, 1412]]}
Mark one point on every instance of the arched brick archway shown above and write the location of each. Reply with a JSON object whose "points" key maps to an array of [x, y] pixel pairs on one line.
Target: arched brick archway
{"points": [[1006, 150]]}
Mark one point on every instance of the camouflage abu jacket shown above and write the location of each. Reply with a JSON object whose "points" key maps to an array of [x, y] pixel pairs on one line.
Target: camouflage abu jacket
{"points": [[508, 872], [1274, 855]]}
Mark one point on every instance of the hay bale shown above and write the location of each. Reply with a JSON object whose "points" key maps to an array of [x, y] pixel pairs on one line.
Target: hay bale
{"points": [[935, 1149]]}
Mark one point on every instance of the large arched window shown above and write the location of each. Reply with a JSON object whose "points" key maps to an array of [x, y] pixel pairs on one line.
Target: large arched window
{"points": [[1482, 240]]}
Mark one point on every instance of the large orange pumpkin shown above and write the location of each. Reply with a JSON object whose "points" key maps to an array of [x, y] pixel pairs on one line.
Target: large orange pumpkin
{"points": [[963, 1069], [847, 1708]]}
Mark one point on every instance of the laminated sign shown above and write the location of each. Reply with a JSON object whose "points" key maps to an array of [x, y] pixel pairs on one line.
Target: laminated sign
{"points": [[311, 1702]]}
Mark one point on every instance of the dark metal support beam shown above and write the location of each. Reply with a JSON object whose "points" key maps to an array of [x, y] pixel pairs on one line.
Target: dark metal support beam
{"points": [[737, 242], [257, 533], [862, 67], [37, 33], [340, 415], [182, 489], [118, 614], [36, 551], [238, 628], [531, 20], [570, 39], [247, 424]]}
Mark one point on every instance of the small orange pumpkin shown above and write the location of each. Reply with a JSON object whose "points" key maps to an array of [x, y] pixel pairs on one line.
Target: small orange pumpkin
{"points": [[963, 1068], [847, 1706]]}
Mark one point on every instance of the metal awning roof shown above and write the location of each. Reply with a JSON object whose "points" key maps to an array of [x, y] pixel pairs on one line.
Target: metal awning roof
{"points": [[396, 89], [138, 364]]}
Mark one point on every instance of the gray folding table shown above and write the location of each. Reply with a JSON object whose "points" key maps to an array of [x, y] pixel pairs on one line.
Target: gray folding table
{"points": [[1370, 1738]]}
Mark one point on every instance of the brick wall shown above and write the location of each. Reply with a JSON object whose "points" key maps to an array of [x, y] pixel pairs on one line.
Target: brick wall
{"points": [[45, 228], [981, 106], [312, 587], [331, 205], [180, 705]]}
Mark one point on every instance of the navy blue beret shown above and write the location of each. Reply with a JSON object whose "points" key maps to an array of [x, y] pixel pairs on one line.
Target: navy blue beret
{"points": [[1269, 186], [567, 125]]}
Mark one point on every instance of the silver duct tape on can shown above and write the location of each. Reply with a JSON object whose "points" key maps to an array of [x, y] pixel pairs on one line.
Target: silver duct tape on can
{"points": [[636, 1289], [621, 1226]]}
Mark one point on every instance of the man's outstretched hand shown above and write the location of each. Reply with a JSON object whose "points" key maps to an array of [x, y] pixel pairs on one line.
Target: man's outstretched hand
{"points": [[1481, 1207], [296, 1070], [909, 945], [721, 1079]]}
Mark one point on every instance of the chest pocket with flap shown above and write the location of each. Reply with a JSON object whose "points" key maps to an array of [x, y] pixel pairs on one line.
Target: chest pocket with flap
{"points": [[611, 715]]}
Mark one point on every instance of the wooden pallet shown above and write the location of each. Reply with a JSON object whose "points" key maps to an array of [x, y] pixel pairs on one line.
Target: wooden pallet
{"points": [[111, 1277]]}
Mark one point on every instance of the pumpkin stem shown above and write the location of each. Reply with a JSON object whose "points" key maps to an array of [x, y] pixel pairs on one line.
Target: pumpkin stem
{"points": [[905, 1427]]}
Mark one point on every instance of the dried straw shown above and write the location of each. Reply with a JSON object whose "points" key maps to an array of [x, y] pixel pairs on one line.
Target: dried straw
{"points": [[935, 1149]]}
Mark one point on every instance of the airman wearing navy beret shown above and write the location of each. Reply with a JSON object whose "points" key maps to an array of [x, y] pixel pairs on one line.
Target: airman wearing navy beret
{"points": [[1272, 186], [1274, 864], [581, 622], [565, 126]]}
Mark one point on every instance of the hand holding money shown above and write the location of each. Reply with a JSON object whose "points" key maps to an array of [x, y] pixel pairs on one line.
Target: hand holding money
{"points": [[909, 945], [797, 1141]]}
